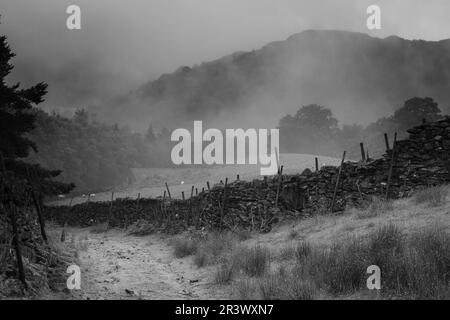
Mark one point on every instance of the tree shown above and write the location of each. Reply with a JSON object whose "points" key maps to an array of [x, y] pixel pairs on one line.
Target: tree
{"points": [[416, 109], [317, 116], [312, 129], [17, 118]]}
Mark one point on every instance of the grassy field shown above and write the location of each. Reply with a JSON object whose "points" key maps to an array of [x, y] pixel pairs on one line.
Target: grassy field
{"points": [[150, 182]]}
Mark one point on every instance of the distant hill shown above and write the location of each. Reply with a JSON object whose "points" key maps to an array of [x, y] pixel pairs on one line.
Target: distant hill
{"points": [[359, 77]]}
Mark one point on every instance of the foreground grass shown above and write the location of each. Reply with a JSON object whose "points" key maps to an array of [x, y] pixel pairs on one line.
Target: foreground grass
{"points": [[431, 196], [376, 207], [408, 239], [412, 267]]}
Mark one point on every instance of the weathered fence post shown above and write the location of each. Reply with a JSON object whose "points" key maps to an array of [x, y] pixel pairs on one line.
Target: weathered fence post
{"points": [[209, 191], [224, 201], [137, 202], [168, 191], [363, 154], [277, 158], [110, 209], [391, 167], [386, 141], [317, 164], [337, 182], [280, 175]]}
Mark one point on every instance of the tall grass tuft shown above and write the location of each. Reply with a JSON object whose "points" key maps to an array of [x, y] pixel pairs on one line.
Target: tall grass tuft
{"points": [[184, 247], [254, 261], [224, 273], [211, 248], [375, 207], [431, 196]]}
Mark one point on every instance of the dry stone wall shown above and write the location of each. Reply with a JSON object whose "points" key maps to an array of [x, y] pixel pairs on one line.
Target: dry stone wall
{"points": [[419, 161]]}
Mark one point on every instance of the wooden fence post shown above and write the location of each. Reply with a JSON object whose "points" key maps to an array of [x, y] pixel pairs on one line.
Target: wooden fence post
{"points": [[280, 175], [137, 202], [363, 154], [277, 158], [110, 208], [337, 182], [224, 201], [317, 164], [168, 191], [391, 167], [386, 141], [209, 191]]}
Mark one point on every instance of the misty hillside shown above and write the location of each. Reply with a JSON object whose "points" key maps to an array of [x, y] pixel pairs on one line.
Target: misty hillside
{"points": [[360, 78]]}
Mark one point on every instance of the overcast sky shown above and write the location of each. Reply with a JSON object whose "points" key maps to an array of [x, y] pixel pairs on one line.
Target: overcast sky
{"points": [[137, 40]]}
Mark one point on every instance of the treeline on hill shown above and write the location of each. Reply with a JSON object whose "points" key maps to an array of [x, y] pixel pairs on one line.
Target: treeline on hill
{"points": [[92, 155], [314, 129], [96, 156]]}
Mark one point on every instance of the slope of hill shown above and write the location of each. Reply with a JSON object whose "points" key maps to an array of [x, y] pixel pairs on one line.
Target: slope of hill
{"points": [[359, 77]]}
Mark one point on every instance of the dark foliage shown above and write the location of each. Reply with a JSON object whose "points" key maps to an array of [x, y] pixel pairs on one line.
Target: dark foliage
{"points": [[17, 118], [93, 155], [313, 129]]}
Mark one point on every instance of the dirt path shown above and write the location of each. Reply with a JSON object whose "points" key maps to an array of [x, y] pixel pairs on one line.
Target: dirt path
{"points": [[117, 266]]}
